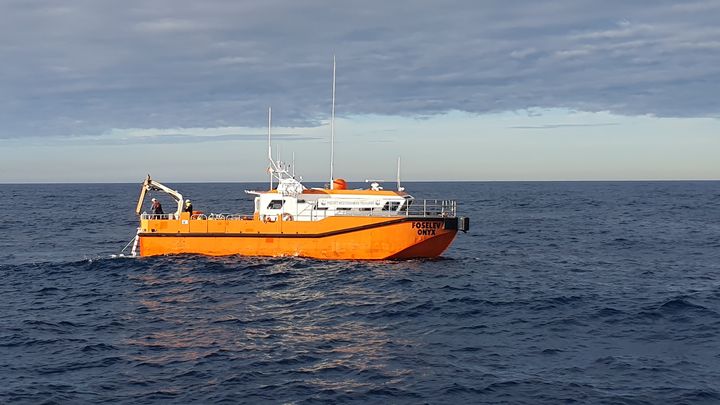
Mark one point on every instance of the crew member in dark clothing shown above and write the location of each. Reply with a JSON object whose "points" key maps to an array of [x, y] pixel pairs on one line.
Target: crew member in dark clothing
{"points": [[188, 207], [156, 207]]}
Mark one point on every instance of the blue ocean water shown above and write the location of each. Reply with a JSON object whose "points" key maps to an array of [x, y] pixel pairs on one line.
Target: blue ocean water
{"points": [[562, 292]]}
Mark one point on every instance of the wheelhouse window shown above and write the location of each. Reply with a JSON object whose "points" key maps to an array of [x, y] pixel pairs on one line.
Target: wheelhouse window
{"points": [[275, 204], [391, 206]]}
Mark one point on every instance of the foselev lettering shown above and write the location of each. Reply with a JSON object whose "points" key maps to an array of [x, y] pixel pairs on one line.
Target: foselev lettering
{"points": [[426, 228]]}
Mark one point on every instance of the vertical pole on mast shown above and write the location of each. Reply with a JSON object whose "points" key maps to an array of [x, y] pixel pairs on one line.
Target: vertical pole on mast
{"points": [[398, 174], [270, 169], [332, 129]]}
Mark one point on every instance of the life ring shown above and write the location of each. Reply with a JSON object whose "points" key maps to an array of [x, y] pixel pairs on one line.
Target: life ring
{"points": [[268, 218], [287, 217]]}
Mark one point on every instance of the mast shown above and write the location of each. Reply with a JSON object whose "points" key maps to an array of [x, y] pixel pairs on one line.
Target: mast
{"points": [[332, 129], [270, 169], [398, 174]]}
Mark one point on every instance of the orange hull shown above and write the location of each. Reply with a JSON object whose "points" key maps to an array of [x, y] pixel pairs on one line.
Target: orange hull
{"points": [[339, 237]]}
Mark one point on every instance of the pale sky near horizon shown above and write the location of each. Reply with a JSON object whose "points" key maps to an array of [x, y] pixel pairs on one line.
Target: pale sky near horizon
{"points": [[103, 91]]}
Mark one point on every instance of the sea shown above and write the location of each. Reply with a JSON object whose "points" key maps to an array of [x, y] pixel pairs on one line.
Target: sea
{"points": [[561, 292]]}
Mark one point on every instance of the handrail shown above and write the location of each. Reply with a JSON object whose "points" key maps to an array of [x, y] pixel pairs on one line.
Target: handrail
{"points": [[417, 208], [145, 215], [432, 208], [223, 216]]}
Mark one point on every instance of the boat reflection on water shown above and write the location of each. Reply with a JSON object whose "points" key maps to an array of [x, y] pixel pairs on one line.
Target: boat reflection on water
{"points": [[252, 324]]}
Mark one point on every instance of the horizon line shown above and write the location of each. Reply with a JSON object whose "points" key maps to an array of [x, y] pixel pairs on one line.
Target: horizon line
{"points": [[381, 182]]}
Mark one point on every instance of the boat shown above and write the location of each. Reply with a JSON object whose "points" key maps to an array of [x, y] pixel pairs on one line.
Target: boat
{"points": [[289, 219], [320, 223]]}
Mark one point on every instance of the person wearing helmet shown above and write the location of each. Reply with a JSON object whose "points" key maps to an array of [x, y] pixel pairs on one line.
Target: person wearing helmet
{"points": [[156, 207], [188, 207]]}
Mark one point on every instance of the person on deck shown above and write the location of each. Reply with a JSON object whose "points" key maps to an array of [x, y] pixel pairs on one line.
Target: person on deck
{"points": [[188, 207], [156, 207]]}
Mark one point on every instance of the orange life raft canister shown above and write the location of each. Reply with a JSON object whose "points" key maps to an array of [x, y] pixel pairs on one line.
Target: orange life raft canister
{"points": [[339, 184]]}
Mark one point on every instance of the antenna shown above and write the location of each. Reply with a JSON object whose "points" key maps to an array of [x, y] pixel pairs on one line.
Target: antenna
{"points": [[398, 175], [332, 129], [270, 169], [293, 165]]}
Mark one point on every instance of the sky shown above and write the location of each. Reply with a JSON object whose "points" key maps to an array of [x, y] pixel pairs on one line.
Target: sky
{"points": [[107, 91]]}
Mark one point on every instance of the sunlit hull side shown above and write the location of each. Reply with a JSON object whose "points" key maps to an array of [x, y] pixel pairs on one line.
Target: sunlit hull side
{"points": [[360, 238]]}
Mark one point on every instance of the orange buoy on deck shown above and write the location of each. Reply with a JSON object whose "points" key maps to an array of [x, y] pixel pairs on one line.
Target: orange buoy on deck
{"points": [[339, 184]]}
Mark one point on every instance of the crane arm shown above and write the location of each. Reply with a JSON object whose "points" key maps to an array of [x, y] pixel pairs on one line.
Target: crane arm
{"points": [[152, 185]]}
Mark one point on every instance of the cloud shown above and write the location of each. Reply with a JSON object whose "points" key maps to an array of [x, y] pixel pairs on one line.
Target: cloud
{"points": [[555, 126], [189, 138], [85, 67], [167, 26], [177, 136]]}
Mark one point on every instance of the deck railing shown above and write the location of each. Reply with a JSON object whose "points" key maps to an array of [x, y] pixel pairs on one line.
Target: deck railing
{"points": [[433, 208], [418, 208], [145, 215], [222, 216]]}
